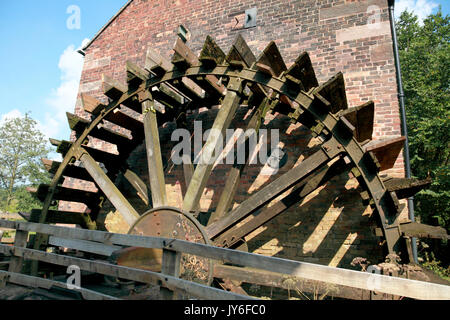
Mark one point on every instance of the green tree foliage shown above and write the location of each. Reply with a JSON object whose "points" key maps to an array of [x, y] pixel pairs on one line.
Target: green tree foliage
{"points": [[425, 59], [22, 146]]}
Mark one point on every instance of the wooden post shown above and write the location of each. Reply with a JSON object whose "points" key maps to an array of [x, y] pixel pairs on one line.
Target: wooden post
{"points": [[170, 266], [20, 241]]}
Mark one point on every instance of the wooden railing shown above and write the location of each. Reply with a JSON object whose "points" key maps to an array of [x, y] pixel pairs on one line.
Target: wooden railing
{"points": [[105, 243]]}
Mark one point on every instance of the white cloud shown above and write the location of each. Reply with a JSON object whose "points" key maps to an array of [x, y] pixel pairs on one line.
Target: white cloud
{"points": [[421, 8], [63, 98]]}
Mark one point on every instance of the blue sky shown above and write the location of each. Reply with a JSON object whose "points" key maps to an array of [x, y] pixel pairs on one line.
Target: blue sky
{"points": [[40, 67]]}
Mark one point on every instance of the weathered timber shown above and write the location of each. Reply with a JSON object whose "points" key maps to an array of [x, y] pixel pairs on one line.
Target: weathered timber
{"points": [[211, 53], [20, 241], [333, 91], [405, 188], [92, 105], [363, 280], [109, 189], [67, 194], [79, 125], [154, 157], [274, 189], [210, 83], [171, 262], [35, 282], [302, 73], [83, 245], [240, 56], [138, 185], [234, 176], [170, 282], [270, 61], [159, 65], [64, 217], [418, 230], [305, 187], [287, 282], [240, 51], [208, 154], [167, 96], [120, 118], [361, 118], [135, 75], [70, 170], [386, 151], [112, 88]]}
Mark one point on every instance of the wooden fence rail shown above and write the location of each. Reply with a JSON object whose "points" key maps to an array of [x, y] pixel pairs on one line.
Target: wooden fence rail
{"points": [[361, 280]]}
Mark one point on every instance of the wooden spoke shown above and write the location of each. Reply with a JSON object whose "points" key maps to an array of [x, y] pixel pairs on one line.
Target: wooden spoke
{"points": [[273, 190], [109, 189], [321, 176], [154, 157], [222, 122], [233, 179]]}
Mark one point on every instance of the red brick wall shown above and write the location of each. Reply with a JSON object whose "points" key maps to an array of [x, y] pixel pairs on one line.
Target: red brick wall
{"points": [[330, 227]]}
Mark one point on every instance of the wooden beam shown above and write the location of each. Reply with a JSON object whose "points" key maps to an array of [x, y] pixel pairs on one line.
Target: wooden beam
{"points": [[170, 282], [268, 193], [109, 189], [418, 230], [285, 281], [68, 194], [363, 280], [405, 188], [64, 217], [35, 282], [204, 167], [305, 187], [171, 262], [232, 183], [154, 157], [138, 185], [159, 66], [83, 245], [20, 241]]}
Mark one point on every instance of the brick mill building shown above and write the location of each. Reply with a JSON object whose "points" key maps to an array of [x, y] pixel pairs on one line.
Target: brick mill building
{"points": [[332, 225]]}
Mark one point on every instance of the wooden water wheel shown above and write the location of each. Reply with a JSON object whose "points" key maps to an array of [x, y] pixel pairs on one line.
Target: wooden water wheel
{"points": [[165, 92]]}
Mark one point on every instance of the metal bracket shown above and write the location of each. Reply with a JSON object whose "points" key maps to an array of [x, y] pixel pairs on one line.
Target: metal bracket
{"points": [[250, 18]]}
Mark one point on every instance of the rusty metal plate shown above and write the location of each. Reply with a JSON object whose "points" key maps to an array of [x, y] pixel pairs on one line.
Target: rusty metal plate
{"points": [[172, 223]]}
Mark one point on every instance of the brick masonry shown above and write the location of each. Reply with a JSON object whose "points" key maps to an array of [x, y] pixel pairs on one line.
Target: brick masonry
{"points": [[331, 226]]}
